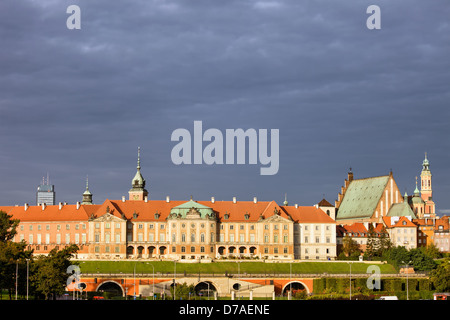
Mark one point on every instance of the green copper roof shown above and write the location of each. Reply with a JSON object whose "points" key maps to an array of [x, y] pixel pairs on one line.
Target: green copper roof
{"points": [[183, 209], [362, 197], [401, 210]]}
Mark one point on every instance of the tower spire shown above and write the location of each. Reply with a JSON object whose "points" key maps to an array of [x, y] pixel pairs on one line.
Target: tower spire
{"points": [[137, 191], [87, 195], [139, 159], [285, 203]]}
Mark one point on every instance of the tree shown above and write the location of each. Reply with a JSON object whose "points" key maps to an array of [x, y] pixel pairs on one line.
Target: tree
{"points": [[12, 254], [182, 291], [385, 242], [440, 277], [396, 255], [49, 273], [13, 258], [372, 246], [420, 260], [8, 227], [350, 247], [432, 251]]}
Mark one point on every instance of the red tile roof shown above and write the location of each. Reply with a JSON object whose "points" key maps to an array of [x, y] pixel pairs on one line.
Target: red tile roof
{"points": [[401, 222], [67, 212], [303, 214]]}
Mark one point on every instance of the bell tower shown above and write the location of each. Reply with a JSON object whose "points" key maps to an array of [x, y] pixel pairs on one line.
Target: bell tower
{"points": [[138, 191], [426, 190]]}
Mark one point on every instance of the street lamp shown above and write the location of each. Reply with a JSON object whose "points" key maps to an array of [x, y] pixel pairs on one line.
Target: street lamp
{"points": [[208, 286], [350, 264], [239, 275], [407, 280], [153, 286], [290, 278], [28, 260], [134, 277], [174, 276]]}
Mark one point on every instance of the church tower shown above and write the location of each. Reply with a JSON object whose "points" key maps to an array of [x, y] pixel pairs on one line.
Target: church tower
{"points": [[425, 187], [137, 191]]}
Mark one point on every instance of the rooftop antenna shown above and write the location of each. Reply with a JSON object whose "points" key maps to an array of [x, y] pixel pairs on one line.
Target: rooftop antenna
{"points": [[48, 179]]}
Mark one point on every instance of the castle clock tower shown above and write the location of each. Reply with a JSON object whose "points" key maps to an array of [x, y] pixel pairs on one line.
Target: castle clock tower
{"points": [[137, 191]]}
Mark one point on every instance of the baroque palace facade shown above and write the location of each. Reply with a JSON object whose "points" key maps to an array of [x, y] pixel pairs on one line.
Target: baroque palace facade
{"points": [[187, 230], [138, 227]]}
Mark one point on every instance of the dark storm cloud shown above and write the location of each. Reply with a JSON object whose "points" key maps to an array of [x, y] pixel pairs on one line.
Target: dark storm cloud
{"points": [[77, 102]]}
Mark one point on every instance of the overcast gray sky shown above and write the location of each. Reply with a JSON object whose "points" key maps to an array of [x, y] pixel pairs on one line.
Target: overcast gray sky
{"points": [[79, 102]]}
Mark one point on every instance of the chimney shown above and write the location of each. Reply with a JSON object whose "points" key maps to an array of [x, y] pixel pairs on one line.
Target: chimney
{"points": [[43, 206], [167, 199], [123, 198], [255, 200], [26, 206], [296, 206], [234, 199], [78, 205], [60, 205], [146, 199], [213, 200]]}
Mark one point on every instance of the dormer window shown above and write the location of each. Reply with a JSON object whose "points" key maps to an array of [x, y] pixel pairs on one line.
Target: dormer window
{"points": [[157, 215], [247, 216], [226, 216]]}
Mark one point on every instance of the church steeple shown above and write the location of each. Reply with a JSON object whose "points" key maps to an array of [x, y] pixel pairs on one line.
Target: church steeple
{"points": [[426, 190], [87, 195], [137, 191]]}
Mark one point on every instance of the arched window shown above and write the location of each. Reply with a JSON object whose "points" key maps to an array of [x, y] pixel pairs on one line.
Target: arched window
{"points": [[192, 237]]}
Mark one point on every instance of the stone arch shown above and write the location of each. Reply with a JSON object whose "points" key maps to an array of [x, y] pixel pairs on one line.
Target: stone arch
{"points": [[202, 287], [140, 251], [111, 286], [296, 285], [151, 251]]}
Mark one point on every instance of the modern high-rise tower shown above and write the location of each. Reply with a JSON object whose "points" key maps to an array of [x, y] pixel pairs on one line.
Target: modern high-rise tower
{"points": [[45, 193]]}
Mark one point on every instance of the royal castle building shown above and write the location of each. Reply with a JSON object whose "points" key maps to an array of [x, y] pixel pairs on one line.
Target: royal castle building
{"points": [[138, 227]]}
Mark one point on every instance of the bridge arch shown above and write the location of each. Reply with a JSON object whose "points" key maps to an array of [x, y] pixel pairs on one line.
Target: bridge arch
{"points": [[205, 287], [295, 285], [111, 286]]}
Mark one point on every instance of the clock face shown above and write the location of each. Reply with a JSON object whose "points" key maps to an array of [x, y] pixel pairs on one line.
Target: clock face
{"points": [[136, 197]]}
